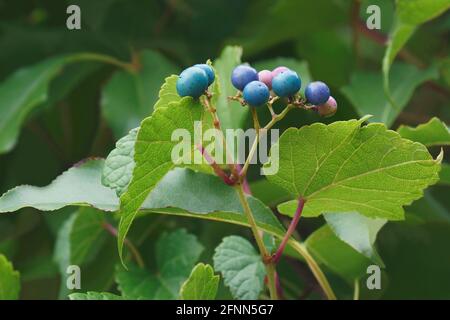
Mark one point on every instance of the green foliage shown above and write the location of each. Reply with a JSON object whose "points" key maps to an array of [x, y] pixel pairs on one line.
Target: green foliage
{"points": [[202, 284], [344, 167], [94, 296], [176, 254], [9, 280], [432, 133], [241, 267]]}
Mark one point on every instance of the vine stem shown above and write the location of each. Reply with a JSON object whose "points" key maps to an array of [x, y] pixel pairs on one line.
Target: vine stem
{"points": [[315, 269], [298, 213], [270, 267], [130, 67], [356, 292]]}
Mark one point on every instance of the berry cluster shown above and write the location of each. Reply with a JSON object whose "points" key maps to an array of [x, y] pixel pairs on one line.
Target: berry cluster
{"points": [[195, 80], [284, 83]]}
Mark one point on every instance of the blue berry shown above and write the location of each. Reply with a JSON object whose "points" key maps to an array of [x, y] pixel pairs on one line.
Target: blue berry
{"points": [[209, 72], [317, 93], [286, 84], [256, 93], [243, 75], [192, 82]]}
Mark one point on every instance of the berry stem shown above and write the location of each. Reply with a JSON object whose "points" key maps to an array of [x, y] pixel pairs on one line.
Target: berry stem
{"points": [[217, 169], [298, 213]]}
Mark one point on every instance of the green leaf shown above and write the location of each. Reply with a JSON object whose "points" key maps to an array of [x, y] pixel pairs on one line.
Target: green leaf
{"points": [[176, 254], [337, 255], [357, 231], [153, 155], [201, 285], [366, 92], [9, 280], [410, 14], [301, 67], [168, 92], [129, 97], [91, 295], [80, 185], [231, 114], [119, 164], [22, 92], [444, 176], [343, 167], [241, 267], [433, 133]]}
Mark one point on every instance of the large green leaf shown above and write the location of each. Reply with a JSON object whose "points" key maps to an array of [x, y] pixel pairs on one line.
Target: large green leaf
{"points": [[129, 97], [410, 14], [9, 280], [365, 91], [201, 285], [176, 254], [153, 155], [119, 164], [80, 185], [357, 231], [20, 93], [231, 114], [433, 133], [343, 167], [91, 295], [241, 267]]}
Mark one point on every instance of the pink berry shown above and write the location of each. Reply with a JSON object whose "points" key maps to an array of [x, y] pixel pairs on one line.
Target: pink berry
{"points": [[278, 70], [328, 109], [265, 77]]}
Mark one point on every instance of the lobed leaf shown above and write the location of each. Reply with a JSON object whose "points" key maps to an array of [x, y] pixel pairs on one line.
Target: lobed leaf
{"points": [[343, 167], [202, 284], [9, 280], [433, 133]]}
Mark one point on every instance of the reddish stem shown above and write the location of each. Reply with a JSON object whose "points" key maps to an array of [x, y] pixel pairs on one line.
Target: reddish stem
{"points": [[217, 169], [245, 184], [298, 213]]}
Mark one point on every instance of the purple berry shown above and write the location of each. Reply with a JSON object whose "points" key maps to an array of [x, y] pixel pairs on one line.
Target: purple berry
{"points": [[256, 93], [328, 109], [266, 77], [243, 75], [317, 93]]}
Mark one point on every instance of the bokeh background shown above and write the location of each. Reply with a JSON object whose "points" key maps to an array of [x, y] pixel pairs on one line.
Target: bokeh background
{"points": [[90, 104]]}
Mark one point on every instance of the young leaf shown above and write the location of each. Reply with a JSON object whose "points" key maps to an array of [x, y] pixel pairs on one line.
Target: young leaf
{"points": [[168, 92], [90, 295], [201, 285], [337, 255], [357, 231], [153, 155], [176, 254], [343, 167], [231, 114], [9, 280], [20, 93], [129, 97], [366, 94], [433, 133], [410, 14], [80, 185], [119, 164], [241, 267]]}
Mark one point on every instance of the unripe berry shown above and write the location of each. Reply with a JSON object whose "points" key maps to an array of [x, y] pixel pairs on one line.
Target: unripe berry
{"points": [[209, 72], [243, 75], [286, 84], [256, 93], [192, 82], [328, 109], [266, 77], [317, 93], [278, 70]]}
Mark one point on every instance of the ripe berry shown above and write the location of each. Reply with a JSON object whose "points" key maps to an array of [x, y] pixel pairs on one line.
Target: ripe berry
{"points": [[317, 93], [192, 82], [327, 109], [266, 77], [242, 75], [278, 70], [256, 93], [286, 84], [209, 72]]}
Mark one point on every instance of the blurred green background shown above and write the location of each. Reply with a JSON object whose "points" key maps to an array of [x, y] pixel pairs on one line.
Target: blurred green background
{"points": [[90, 104]]}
